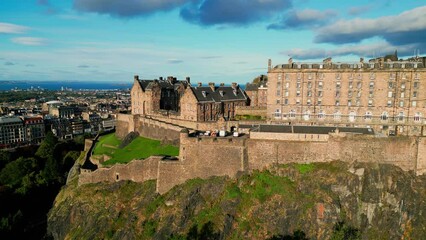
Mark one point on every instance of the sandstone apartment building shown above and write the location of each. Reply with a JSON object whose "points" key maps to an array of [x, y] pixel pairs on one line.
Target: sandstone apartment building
{"points": [[385, 94]]}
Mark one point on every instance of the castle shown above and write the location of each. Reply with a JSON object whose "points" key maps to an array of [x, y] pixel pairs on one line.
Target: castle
{"points": [[174, 110]]}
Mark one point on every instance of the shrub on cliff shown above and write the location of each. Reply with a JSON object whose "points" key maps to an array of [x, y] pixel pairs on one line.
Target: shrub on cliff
{"points": [[128, 139]]}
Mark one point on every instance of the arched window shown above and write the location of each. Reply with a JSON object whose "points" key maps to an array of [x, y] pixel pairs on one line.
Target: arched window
{"points": [[352, 116], [384, 116]]}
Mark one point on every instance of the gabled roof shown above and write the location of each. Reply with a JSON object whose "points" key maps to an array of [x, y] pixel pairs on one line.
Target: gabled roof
{"points": [[220, 94], [251, 87]]}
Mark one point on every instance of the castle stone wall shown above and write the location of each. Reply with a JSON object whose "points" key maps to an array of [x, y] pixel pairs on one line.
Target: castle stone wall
{"points": [[137, 171], [250, 110]]}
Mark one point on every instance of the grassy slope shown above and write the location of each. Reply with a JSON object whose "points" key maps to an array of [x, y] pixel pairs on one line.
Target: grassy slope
{"points": [[139, 148]]}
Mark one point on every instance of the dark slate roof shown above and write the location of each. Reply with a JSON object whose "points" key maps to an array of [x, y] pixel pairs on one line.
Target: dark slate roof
{"points": [[306, 129], [251, 87], [164, 84], [220, 94]]}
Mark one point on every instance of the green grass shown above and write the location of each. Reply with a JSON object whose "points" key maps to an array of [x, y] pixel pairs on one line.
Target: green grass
{"points": [[249, 117], [140, 148], [304, 168]]}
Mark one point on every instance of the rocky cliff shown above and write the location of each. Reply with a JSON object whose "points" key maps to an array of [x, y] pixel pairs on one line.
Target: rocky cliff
{"points": [[316, 201]]}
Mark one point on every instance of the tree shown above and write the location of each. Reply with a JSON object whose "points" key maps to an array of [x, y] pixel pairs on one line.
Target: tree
{"points": [[47, 146], [13, 173]]}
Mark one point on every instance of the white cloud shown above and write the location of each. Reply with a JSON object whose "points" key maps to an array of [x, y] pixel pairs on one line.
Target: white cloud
{"points": [[12, 28], [29, 41]]}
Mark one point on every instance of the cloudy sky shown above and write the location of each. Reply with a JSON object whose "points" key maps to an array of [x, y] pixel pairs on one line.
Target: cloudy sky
{"points": [[208, 40]]}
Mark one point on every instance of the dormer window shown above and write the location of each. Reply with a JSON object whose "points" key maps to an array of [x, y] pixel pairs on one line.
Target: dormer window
{"points": [[221, 93], [204, 93]]}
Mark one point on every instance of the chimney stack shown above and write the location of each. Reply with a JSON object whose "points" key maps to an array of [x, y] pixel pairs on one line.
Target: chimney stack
{"points": [[235, 85], [269, 64], [222, 84], [161, 78], [136, 77], [211, 85], [188, 79], [200, 84]]}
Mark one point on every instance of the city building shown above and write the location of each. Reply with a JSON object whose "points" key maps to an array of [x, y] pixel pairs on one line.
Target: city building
{"points": [[12, 131], [257, 93], [387, 95], [34, 129]]}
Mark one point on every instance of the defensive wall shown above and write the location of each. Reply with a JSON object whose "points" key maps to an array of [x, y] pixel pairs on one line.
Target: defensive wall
{"points": [[205, 156]]}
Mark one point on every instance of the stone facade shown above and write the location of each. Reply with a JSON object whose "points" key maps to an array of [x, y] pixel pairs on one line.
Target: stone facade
{"points": [[178, 100], [389, 96]]}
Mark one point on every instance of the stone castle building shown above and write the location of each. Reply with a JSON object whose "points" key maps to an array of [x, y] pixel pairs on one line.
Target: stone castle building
{"points": [[179, 100], [387, 95]]}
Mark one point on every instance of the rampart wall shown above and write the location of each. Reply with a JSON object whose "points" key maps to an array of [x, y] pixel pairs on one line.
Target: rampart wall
{"points": [[216, 156]]}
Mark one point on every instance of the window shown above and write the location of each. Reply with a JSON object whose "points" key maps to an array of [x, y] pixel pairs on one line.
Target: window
{"points": [[401, 116], [359, 76], [371, 84], [417, 76], [350, 93], [278, 92], [337, 94], [309, 85], [350, 85], [309, 93], [390, 84], [337, 115], [389, 103], [320, 85], [384, 116], [358, 103], [359, 94], [352, 116], [337, 103], [414, 94], [417, 117], [372, 76], [321, 114], [416, 84], [414, 103], [401, 103], [297, 101], [390, 94], [319, 93], [319, 101], [286, 93], [359, 85], [392, 75], [298, 93], [338, 76], [370, 94], [286, 101], [292, 114], [280, 76], [351, 76], [403, 85], [309, 76], [368, 116], [299, 76], [277, 113], [402, 95], [349, 103], [370, 102], [306, 115], [287, 76], [278, 101], [308, 102], [298, 85], [337, 85]]}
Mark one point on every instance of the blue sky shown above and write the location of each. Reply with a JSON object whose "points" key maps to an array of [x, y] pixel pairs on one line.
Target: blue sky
{"points": [[208, 40]]}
